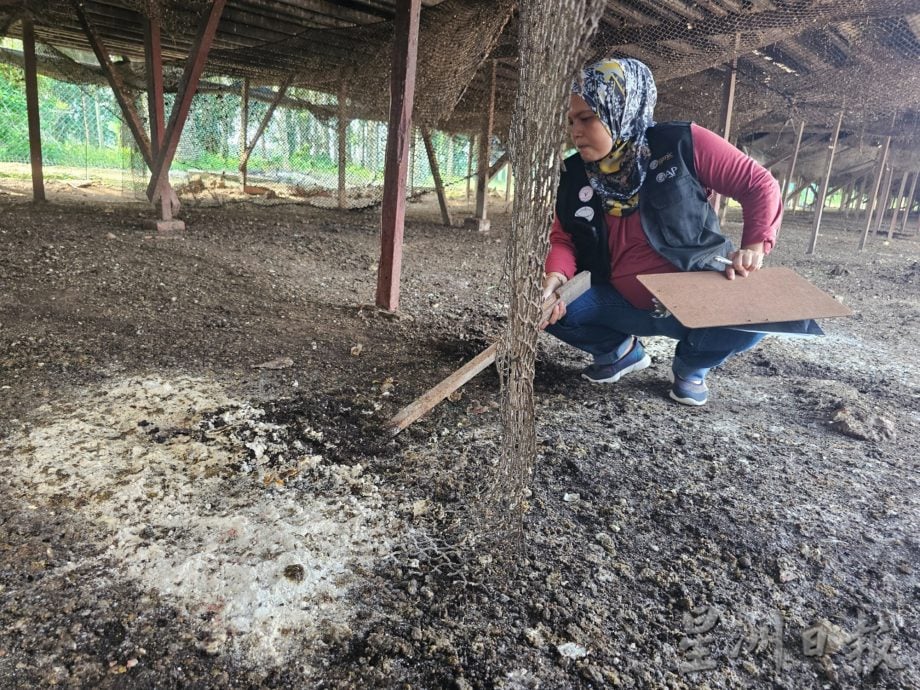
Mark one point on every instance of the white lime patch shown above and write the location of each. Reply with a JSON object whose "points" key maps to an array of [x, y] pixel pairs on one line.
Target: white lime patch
{"points": [[258, 557]]}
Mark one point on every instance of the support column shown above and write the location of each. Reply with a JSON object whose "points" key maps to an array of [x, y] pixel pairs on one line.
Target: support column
{"points": [[910, 201], [244, 130], [153, 62], [35, 130], [884, 200], [469, 167], [898, 200], [822, 195], [402, 95], [188, 85], [342, 130], [436, 174], [266, 118], [872, 198], [728, 106], [481, 220]]}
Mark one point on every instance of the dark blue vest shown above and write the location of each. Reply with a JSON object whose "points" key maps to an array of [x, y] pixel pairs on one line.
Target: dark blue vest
{"points": [[676, 216]]}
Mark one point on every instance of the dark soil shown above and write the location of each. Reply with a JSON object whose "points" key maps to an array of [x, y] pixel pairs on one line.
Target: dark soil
{"points": [[769, 539]]}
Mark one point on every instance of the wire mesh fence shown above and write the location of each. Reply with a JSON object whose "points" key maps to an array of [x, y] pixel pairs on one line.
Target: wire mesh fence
{"points": [[296, 155]]}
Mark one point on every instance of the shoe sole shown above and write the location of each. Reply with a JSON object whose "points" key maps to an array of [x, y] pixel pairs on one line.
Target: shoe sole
{"points": [[688, 401], [643, 363]]}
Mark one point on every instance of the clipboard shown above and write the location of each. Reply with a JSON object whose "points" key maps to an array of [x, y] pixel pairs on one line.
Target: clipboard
{"points": [[706, 299]]}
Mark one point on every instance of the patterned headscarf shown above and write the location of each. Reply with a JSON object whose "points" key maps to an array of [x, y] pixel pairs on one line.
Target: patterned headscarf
{"points": [[622, 94]]}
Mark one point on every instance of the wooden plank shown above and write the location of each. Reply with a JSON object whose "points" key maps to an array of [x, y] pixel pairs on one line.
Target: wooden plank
{"points": [[706, 299], [436, 174], [153, 64], [188, 85], [568, 293], [910, 201], [822, 195], [402, 96], [792, 163], [897, 205], [872, 199], [266, 118], [32, 114], [485, 139], [132, 119], [728, 106], [244, 129]]}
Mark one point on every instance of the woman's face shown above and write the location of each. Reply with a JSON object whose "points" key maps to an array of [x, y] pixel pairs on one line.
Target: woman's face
{"points": [[590, 136]]}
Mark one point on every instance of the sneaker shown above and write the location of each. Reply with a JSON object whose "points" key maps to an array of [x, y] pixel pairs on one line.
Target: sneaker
{"points": [[634, 360], [689, 392]]}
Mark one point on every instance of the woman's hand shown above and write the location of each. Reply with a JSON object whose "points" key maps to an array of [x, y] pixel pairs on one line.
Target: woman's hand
{"points": [[551, 283], [745, 260]]}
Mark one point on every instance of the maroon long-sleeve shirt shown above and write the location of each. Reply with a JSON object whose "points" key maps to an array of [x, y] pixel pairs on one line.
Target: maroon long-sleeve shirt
{"points": [[720, 167]]}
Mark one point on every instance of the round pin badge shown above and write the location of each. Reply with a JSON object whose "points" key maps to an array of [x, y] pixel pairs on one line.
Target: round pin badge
{"points": [[585, 194], [653, 165], [661, 177], [585, 212]]}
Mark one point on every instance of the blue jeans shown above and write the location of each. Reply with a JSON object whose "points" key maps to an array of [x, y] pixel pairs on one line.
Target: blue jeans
{"points": [[601, 320]]}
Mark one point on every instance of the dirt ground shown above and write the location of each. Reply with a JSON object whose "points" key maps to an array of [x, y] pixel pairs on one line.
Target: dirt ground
{"points": [[196, 492]]}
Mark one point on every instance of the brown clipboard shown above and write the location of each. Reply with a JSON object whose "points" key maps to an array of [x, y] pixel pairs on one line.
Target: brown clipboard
{"points": [[704, 299]]}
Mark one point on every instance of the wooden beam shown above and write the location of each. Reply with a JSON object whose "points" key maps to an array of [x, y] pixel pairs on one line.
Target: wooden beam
{"points": [[32, 114], [795, 158], [194, 66], [402, 95], [910, 201], [469, 167], [884, 200], [342, 131], [132, 119], [244, 130], [481, 218], [266, 118], [873, 196], [568, 293], [153, 66], [436, 174], [728, 106], [897, 204], [822, 195]]}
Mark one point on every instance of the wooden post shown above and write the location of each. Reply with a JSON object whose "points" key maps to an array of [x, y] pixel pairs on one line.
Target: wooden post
{"points": [[342, 135], [32, 114], [728, 106], [188, 85], [872, 197], [266, 118], [795, 158], [897, 204], [153, 63], [244, 131], [436, 174], [507, 181], [822, 195], [884, 200], [481, 218], [402, 95], [469, 167], [910, 201]]}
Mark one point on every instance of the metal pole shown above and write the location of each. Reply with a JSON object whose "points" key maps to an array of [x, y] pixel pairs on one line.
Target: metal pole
{"points": [[822, 195], [342, 134], [244, 131]]}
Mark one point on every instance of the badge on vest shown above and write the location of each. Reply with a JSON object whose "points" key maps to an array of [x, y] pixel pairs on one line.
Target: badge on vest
{"points": [[585, 212], [658, 161], [668, 174], [585, 194]]}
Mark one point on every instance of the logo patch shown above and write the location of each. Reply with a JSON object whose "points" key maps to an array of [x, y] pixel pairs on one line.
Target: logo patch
{"points": [[653, 165], [668, 174], [585, 194], [585, 212]]}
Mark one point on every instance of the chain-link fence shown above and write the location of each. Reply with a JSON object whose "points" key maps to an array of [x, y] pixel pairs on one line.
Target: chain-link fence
{"points": [[295, 156]]}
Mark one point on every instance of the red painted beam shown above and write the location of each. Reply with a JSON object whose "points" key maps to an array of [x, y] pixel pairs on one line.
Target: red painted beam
{"points": [[402, 95], [133, 120], [153, 63], [35, 130], [187, 88]]}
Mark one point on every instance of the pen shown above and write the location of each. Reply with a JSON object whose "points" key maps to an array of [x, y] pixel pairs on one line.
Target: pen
{"points": [[722, 260]]}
